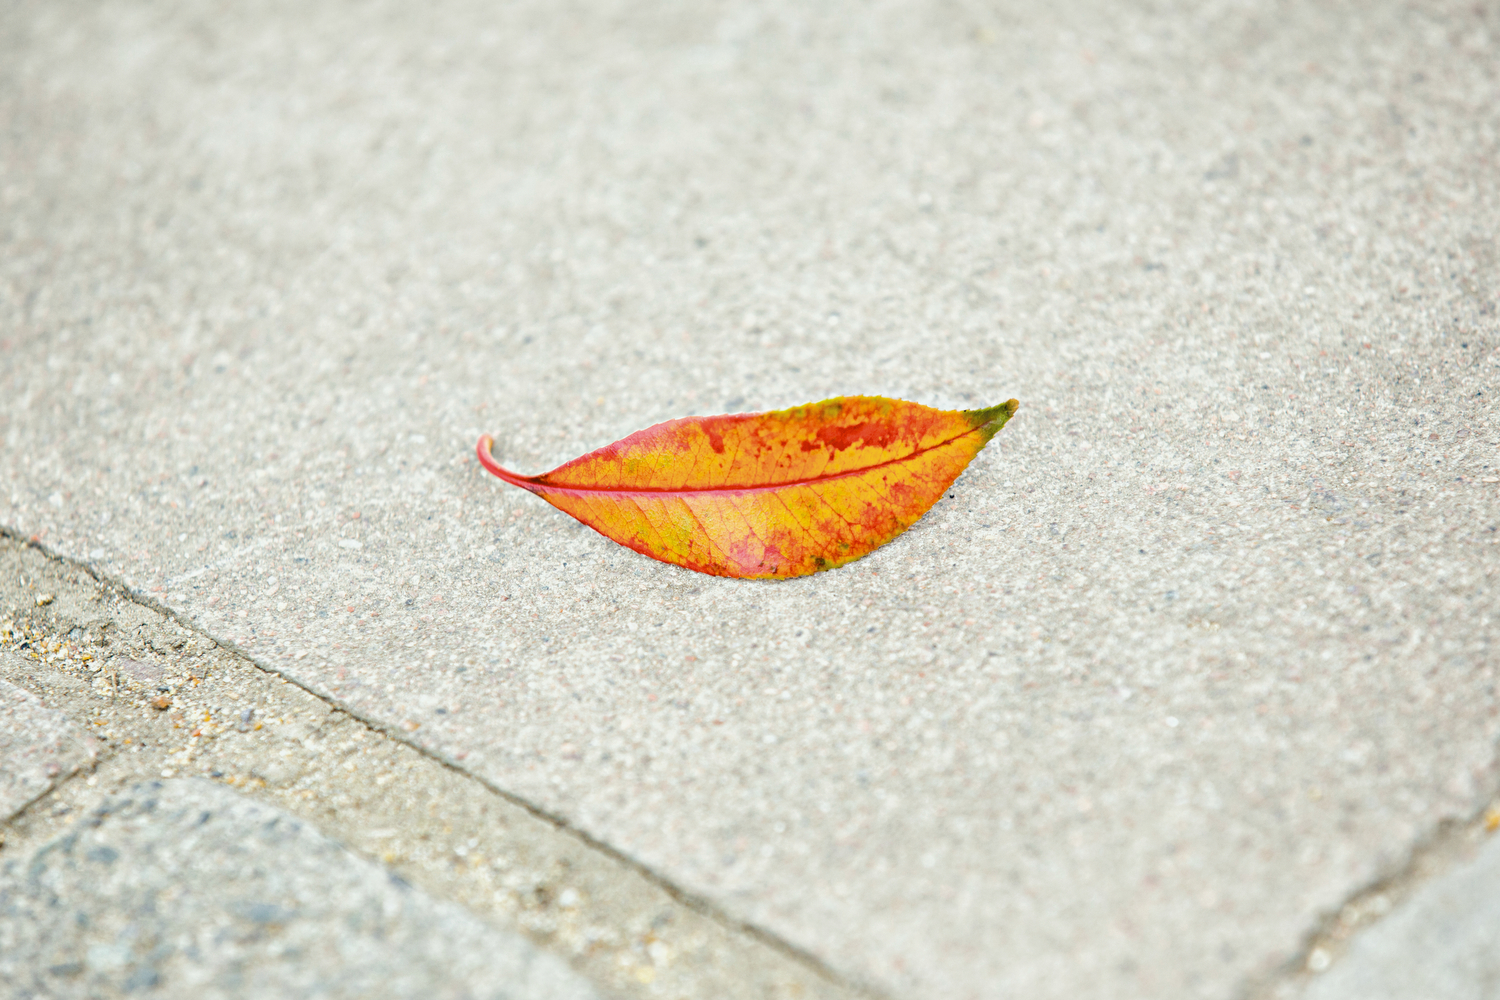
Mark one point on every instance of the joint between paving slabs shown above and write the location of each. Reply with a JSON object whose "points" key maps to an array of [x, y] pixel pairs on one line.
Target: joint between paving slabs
{"points": [[1451, 842], [153, 695]]}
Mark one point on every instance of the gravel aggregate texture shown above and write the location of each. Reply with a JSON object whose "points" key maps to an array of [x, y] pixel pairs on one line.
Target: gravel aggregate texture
{"points": [[163, 701], [1199, 647], [184, 888], [1439, 943], [37, 747]]}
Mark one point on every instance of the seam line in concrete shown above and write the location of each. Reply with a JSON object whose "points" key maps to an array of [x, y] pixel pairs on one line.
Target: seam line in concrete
{"points": [[684, 897], [1424, 859]]}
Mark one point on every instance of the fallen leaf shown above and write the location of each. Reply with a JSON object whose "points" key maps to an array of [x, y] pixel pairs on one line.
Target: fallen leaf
{"points": [[776, 494]]}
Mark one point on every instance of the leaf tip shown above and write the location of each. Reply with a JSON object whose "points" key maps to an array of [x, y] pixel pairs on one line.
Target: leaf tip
{"points": [[993, 418]]}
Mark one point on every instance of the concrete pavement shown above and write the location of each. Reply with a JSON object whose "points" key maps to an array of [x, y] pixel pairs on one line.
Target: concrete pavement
{"points": [[1200, 648], [192, 890], [38, 747], [1441, 943], [160, 703]]}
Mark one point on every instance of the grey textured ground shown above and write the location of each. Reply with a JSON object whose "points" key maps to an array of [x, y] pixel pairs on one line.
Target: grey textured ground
{"points": [[162, 701], [37, 747], [1440, 944], [1201, 645], [191, 890]]}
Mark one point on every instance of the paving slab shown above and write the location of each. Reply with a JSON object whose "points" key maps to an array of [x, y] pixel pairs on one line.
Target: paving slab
{"points": [[1200, 646], [185, 706], [185, 888], [38, 746], [1439, 943]]}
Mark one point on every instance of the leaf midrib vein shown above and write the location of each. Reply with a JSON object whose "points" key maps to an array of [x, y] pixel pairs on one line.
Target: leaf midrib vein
{"points": [[539, 481]]}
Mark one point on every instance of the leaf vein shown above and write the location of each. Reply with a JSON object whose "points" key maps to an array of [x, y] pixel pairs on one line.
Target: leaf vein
{"points": [[761, 487]]}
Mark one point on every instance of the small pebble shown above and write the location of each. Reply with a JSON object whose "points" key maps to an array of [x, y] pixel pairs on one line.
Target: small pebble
{"points": [[42, 600], [161, 702]]}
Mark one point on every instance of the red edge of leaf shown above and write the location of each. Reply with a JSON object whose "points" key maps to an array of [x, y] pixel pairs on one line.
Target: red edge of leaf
{"points": [[536, 484]]}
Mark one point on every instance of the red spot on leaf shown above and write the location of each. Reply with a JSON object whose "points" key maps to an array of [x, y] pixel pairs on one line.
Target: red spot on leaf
{"points": [[866, 435], [783, 494]]}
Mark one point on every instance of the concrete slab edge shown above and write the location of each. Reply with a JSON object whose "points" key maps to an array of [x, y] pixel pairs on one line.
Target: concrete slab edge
{"points": [[823, 980], [1450, 843], [37, 750], [1322, 944]]}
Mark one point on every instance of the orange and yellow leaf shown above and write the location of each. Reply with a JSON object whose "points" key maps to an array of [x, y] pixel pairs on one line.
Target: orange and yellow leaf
{"points": [[776, 494]]}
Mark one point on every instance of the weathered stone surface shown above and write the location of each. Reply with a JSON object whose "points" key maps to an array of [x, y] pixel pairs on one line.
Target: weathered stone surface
{"points": [[1442, 942], [37, 747], [186, 888], [1201, 645]]}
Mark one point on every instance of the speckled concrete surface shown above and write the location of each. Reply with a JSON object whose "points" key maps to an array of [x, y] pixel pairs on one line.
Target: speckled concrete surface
{"points": [[37, 747], [184, 888], [1200, 645], [1440, 943], [162, 701]]}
